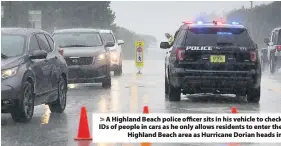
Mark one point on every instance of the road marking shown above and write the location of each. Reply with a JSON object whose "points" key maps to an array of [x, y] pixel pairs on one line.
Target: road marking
{"points": [[276, 90], [134, 95], [46, 116]]}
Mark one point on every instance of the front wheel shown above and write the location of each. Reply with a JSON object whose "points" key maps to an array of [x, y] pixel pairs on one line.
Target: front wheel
{"points": [[106, 83], [59, 105], [174, 93], [118, 70], [24, 108]]}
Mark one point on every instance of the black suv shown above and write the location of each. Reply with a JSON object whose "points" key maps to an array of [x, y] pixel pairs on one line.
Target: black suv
{"points": [[274, 50], [33, 73], [212, 58]]}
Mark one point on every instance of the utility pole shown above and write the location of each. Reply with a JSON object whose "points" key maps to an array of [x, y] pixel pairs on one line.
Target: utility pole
{"points": [[251, 4]]}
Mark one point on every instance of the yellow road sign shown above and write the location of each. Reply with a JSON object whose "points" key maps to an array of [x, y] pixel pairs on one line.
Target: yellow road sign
{"points": [[139, 53]]}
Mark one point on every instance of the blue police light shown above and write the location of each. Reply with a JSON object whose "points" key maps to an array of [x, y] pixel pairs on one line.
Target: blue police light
{"points": [[224, 33], [235, 23], [199, 22]]}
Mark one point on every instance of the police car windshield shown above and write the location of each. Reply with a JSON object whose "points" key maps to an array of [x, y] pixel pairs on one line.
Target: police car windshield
{"points": [[218, 37]]}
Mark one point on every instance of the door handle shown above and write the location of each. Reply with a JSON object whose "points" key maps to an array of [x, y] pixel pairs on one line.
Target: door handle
{"points": [[56, 57]]}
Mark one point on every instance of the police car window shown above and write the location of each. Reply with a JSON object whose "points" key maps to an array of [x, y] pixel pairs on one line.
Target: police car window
{"points": [[274, 38], [51, 42], [108, 37], [180, 37], [33, 44], [43, 43], [218, 36]]}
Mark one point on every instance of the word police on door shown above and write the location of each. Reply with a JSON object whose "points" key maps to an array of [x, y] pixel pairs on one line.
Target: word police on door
{"points": [[139, 45]]}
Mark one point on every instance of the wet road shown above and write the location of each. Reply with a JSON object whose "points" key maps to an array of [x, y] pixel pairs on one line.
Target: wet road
{"points": [[129, 93]]}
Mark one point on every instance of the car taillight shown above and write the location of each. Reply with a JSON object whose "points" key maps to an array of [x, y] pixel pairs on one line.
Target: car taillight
{"points": [[253, 55], [180, 54], [278, 48], [61, 51]]}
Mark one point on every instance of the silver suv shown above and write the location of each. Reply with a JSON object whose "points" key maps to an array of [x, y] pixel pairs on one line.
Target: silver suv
{"points": [[274, 49]]}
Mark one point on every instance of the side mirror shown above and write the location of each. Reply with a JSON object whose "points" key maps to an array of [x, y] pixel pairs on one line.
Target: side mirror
{"points": [[164, 45], [270, 43], [266, 41], [38, 54], [120, 42], [109, 44]]}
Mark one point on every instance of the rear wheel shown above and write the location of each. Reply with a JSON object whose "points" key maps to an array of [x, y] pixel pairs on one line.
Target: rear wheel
{"points": [[59, 105], [174, 93], [24, 108], [166, 85], [253, 95], [106, 83]]}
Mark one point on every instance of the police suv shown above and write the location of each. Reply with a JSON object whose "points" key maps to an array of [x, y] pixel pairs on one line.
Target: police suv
{"points": [[213, 58]]}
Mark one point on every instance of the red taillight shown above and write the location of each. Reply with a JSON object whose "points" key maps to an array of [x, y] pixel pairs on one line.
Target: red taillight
{"points": [[253, 55], [180, 54], [278, 48], [61, 51]]}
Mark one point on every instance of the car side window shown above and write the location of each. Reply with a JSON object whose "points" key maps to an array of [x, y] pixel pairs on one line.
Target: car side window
{"points": [[51, 42], [43, 43], [33, 44], [180, 37]]}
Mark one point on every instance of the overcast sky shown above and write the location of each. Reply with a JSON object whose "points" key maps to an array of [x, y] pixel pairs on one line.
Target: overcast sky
{"points": [[156, 17]]}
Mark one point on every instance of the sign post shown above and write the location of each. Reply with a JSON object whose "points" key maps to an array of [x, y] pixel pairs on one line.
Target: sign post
{"points": [[139, 60]]}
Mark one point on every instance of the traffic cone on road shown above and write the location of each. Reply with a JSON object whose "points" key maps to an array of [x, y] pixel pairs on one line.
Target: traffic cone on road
{"points": [[145, 111], [234, 110], [83, 130]]}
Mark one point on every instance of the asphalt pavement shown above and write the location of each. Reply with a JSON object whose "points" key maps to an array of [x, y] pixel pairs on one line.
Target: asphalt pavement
{"points": [[129, 93]]}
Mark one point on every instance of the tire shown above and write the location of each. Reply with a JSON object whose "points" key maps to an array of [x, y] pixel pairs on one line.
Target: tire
{"points": [[253, 95], [174, 94], [24, 108], [119, 69], [106, 83], [166, 85], [59, 105], [272, 65]]}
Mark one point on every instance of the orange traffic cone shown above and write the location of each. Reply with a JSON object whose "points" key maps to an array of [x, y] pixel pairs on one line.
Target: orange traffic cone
{"points": [[145, 111], [83, 130], [234, 110]]}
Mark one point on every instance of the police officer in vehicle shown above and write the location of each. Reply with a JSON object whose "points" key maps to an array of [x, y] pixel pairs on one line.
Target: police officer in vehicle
{"points": [[170, 38]]}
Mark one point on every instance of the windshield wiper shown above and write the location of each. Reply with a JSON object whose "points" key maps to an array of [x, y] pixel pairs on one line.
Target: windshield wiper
{"points": [[4, 56], [74, 46]]}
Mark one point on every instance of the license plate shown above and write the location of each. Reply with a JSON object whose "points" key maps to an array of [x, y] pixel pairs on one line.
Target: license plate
{"points": [[217, 58]]}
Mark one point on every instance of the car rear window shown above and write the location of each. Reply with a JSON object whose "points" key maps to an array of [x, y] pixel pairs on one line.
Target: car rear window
{"points": [[87, 39], [218, 36], [12, 45]]}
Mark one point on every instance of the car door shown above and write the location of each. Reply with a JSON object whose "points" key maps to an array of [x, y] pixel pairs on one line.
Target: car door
{"points": [[44, 45], [54, 62], [37, 67]]}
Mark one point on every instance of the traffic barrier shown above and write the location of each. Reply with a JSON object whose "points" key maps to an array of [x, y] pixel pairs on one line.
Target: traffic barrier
{"points": [[83, 130], [145, 111]]}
